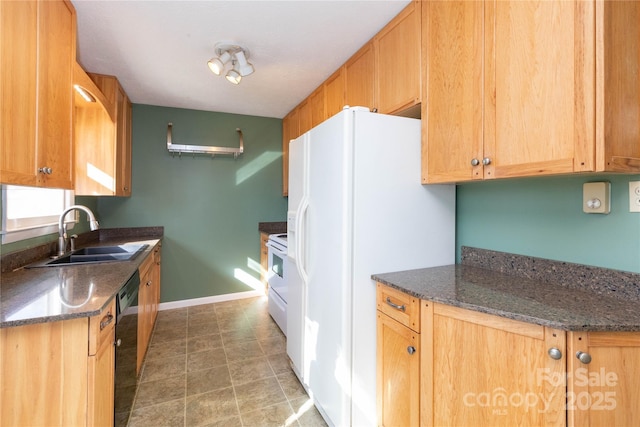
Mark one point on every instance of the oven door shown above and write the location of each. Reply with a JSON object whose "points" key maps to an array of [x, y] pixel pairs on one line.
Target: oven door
{"points": [[276, 277]]}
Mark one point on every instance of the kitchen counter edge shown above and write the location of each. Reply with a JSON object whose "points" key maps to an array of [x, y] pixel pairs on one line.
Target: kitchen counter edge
{"points": [[517, 298], [25, 287]]}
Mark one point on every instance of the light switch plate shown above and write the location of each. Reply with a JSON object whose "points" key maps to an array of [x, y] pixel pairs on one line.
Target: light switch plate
{"points": [[634, 196], [596, 197]]}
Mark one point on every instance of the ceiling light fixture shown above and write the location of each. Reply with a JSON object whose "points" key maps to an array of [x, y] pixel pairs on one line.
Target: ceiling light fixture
{"points": [[216, 64], [235, 54]]}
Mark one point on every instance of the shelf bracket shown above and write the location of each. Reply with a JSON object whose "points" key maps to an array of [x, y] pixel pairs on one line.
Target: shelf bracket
{"points": [[204, 149]]}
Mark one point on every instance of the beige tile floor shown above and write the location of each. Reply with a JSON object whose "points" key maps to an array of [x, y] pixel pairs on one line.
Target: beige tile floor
{"points": [[222, 364]]}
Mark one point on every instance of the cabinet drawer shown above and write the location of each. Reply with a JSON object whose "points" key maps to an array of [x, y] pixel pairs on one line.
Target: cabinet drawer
{"points": [[100, 327], [399, 306]]}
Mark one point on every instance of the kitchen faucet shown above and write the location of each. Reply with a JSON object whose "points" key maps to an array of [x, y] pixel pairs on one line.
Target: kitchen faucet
{"points": [[62, 229]]}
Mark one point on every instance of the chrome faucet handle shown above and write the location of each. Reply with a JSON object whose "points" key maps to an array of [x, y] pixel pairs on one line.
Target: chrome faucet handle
{"points": [[72, 239]]}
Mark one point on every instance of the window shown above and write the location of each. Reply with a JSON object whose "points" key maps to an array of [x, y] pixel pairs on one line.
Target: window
{"points": [[31, 212]]}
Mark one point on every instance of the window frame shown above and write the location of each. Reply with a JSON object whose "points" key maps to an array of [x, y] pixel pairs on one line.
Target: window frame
{"points": [[11, 234]]}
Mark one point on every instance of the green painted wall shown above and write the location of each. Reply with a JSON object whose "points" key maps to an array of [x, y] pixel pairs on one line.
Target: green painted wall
{"points": [[543, 217], [210, 208]]}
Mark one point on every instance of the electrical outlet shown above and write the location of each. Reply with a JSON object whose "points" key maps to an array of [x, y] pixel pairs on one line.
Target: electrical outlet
{"points": [[634, 196]]}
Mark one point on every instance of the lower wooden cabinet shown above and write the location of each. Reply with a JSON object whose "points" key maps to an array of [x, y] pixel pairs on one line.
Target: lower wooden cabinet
{"points": [[603, 379], [101, 368], [478, 369], [51, 375], [148, 302], [487, 370], [398, 358], [398, 381]]}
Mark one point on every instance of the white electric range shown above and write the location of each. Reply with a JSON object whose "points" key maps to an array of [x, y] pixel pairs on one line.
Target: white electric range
{"points": [[277, 279]]}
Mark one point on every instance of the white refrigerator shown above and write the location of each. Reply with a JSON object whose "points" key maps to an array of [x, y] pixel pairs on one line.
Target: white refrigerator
{"points": [[356, 207]]}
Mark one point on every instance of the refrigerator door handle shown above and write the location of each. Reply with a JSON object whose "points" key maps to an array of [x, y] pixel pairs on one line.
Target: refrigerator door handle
{"points": [[301, 238]]}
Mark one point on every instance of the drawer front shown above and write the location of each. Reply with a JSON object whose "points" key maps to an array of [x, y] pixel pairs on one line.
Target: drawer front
{"points": [[401, 307], [100, 327]]}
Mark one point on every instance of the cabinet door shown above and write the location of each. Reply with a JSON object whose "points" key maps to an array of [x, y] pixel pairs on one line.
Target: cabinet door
{"points": [[539, 88], [491, 371], [398, 55], [621, 99], [334, 93], [56, 58], [304, 111], [44, 374], [605, 390], [316, 104], [123, 143], [157, 261], [101, 369], [359, 79], [398, 373], [18, 44], [452, 112], [144, 312], [290, 130]]}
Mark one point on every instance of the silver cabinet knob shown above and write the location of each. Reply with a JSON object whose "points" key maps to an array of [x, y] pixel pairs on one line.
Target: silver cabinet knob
{"points": [[411, 349], [45, 170], [584, 357], [475, 162], [555, 353], [118, 342], [486, 161], [149, 283]]}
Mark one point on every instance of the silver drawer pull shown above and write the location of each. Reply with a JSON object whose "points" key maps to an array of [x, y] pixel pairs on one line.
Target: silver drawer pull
{"points": [[396, 306], [106, 320]]}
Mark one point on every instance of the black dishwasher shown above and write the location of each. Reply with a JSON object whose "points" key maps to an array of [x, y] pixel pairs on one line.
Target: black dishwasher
{"points": [[126, 350]]}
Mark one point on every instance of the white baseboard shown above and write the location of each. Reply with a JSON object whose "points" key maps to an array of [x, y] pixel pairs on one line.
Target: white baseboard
{"points": [[209, 300], [199, 301]]}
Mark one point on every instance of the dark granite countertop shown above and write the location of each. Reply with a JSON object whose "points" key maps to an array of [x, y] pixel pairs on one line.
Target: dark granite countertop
{"points": [[50, 294], [272, 227], [532, 300]]}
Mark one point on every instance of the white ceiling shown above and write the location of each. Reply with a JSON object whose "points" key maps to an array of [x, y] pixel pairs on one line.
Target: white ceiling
{"points": [[159, 49]]}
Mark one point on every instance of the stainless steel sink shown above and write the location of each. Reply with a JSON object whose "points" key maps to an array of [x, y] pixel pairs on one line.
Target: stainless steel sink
{"points": [[94, 254]]}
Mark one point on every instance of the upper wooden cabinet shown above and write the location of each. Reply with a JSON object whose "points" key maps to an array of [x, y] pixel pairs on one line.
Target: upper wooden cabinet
{"points": [[529, 88], [102, 137], [290, 130], [359, 78], [316, 106], [398, 74], [334, 98], [304, 117], [38, 45], [618, 138]]}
